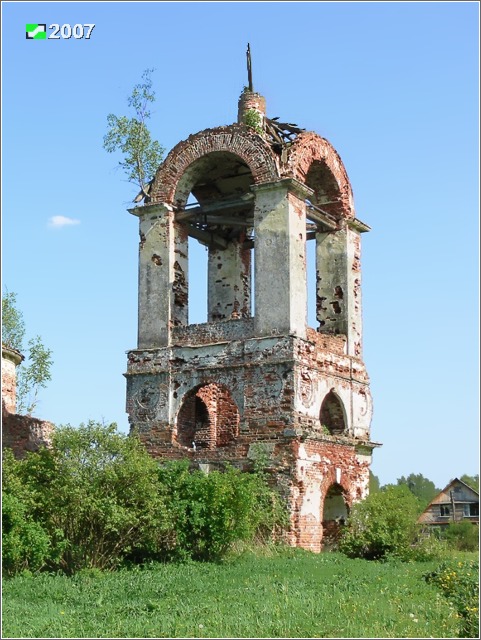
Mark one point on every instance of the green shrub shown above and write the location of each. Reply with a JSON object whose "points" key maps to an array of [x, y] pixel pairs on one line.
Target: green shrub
{"points": [[462, 536], [384, 524], [253, 120], [210, 512], [25, 544], [428, 547], [459, 582], [97, 496], [97, 499]]}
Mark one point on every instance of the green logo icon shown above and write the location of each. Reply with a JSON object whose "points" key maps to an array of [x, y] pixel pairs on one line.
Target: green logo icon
{"points": [[36, 31]]}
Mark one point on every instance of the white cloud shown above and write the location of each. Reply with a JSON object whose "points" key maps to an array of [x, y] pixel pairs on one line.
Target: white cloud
{"points": [[61, 221]]}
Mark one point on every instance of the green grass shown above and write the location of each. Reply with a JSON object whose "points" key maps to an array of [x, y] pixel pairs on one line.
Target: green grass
{"points": [[288, 593]]}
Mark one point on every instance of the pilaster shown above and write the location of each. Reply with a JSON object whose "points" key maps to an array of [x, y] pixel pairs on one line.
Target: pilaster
{"points": [[280, 258]]}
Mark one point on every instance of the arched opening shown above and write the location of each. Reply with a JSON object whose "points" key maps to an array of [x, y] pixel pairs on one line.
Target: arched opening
{"points": [[208, 418], [323, 211], [334, 516], [332, 415], [327, 195], [215, 206]]}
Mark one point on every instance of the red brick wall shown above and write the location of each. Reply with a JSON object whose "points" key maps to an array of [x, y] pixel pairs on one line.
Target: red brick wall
{"points": [[320, 465], [209, 417], [24, 433]]}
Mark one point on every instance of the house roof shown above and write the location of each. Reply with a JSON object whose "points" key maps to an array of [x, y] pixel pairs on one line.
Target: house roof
{"points": [[453, 481]]}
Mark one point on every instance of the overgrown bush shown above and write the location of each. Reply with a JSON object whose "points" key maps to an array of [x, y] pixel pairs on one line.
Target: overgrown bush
{"points": [[253, 120], [462, 536], [459, 582], [212, 511], [97, 499], [428, 547], [25, 544], [384, 524], [96, 494]]}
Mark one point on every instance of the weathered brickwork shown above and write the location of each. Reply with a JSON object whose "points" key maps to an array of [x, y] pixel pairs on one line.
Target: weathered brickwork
{"points": [[250, 101], [19, 433], [313, 161], [10, 361], [176, 175], [24, 433], [244, 382]]}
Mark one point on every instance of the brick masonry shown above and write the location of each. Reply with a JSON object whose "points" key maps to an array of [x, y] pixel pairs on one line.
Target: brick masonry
{"points": [[183, 165]]}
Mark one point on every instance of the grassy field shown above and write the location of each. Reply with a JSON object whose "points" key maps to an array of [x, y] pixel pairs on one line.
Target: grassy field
{"points": [[281, 594]]}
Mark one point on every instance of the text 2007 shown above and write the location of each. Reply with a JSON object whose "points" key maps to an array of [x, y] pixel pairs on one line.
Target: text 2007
{"points": [[65, 31]]}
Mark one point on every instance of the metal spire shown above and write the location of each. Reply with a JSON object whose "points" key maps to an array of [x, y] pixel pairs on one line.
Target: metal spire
{"points": [[249, 67]]}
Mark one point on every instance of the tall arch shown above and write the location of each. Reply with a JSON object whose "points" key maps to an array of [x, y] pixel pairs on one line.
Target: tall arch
{"points": [[334, 515]]}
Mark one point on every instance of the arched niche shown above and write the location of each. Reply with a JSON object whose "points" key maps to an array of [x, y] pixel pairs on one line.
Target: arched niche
{"points": [[332, 415], [208, 418]]}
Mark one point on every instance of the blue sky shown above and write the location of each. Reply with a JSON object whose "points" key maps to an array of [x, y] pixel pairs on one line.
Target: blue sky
{"points": [[393, 86]]}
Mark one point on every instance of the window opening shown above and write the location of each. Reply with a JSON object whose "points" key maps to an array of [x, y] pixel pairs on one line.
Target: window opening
{"points": [[198, 258], [332, 415]]}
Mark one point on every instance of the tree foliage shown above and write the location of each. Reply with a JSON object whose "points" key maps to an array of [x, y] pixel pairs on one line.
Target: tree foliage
{"points": [[471, 481], [421, 487], [13, 325], [33, 374], [374, 484], [383, 524], [131, 136], [462, 536]]}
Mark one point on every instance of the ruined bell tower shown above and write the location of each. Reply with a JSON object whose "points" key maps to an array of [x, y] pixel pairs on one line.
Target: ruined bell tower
{"points": [[254, 193]]}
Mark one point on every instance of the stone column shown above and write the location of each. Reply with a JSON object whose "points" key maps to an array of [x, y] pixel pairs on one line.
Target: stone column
{"points": [[229, 286], [163, 275], [280, 258], [338, 286]]}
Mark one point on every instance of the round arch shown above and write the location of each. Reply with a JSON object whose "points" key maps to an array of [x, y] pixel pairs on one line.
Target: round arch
{"points": [[314, 162], [335, 512], [208, 417], [236, 139]]}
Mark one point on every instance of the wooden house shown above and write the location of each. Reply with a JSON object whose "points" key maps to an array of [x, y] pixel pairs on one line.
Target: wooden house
{"points": [[455, 503]]}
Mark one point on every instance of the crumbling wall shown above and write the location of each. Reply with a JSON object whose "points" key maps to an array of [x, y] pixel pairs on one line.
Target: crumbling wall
{"points": [[24, 433], [268, 391], [319, 465], [19, 433], [11, 358], [311, 158]]}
